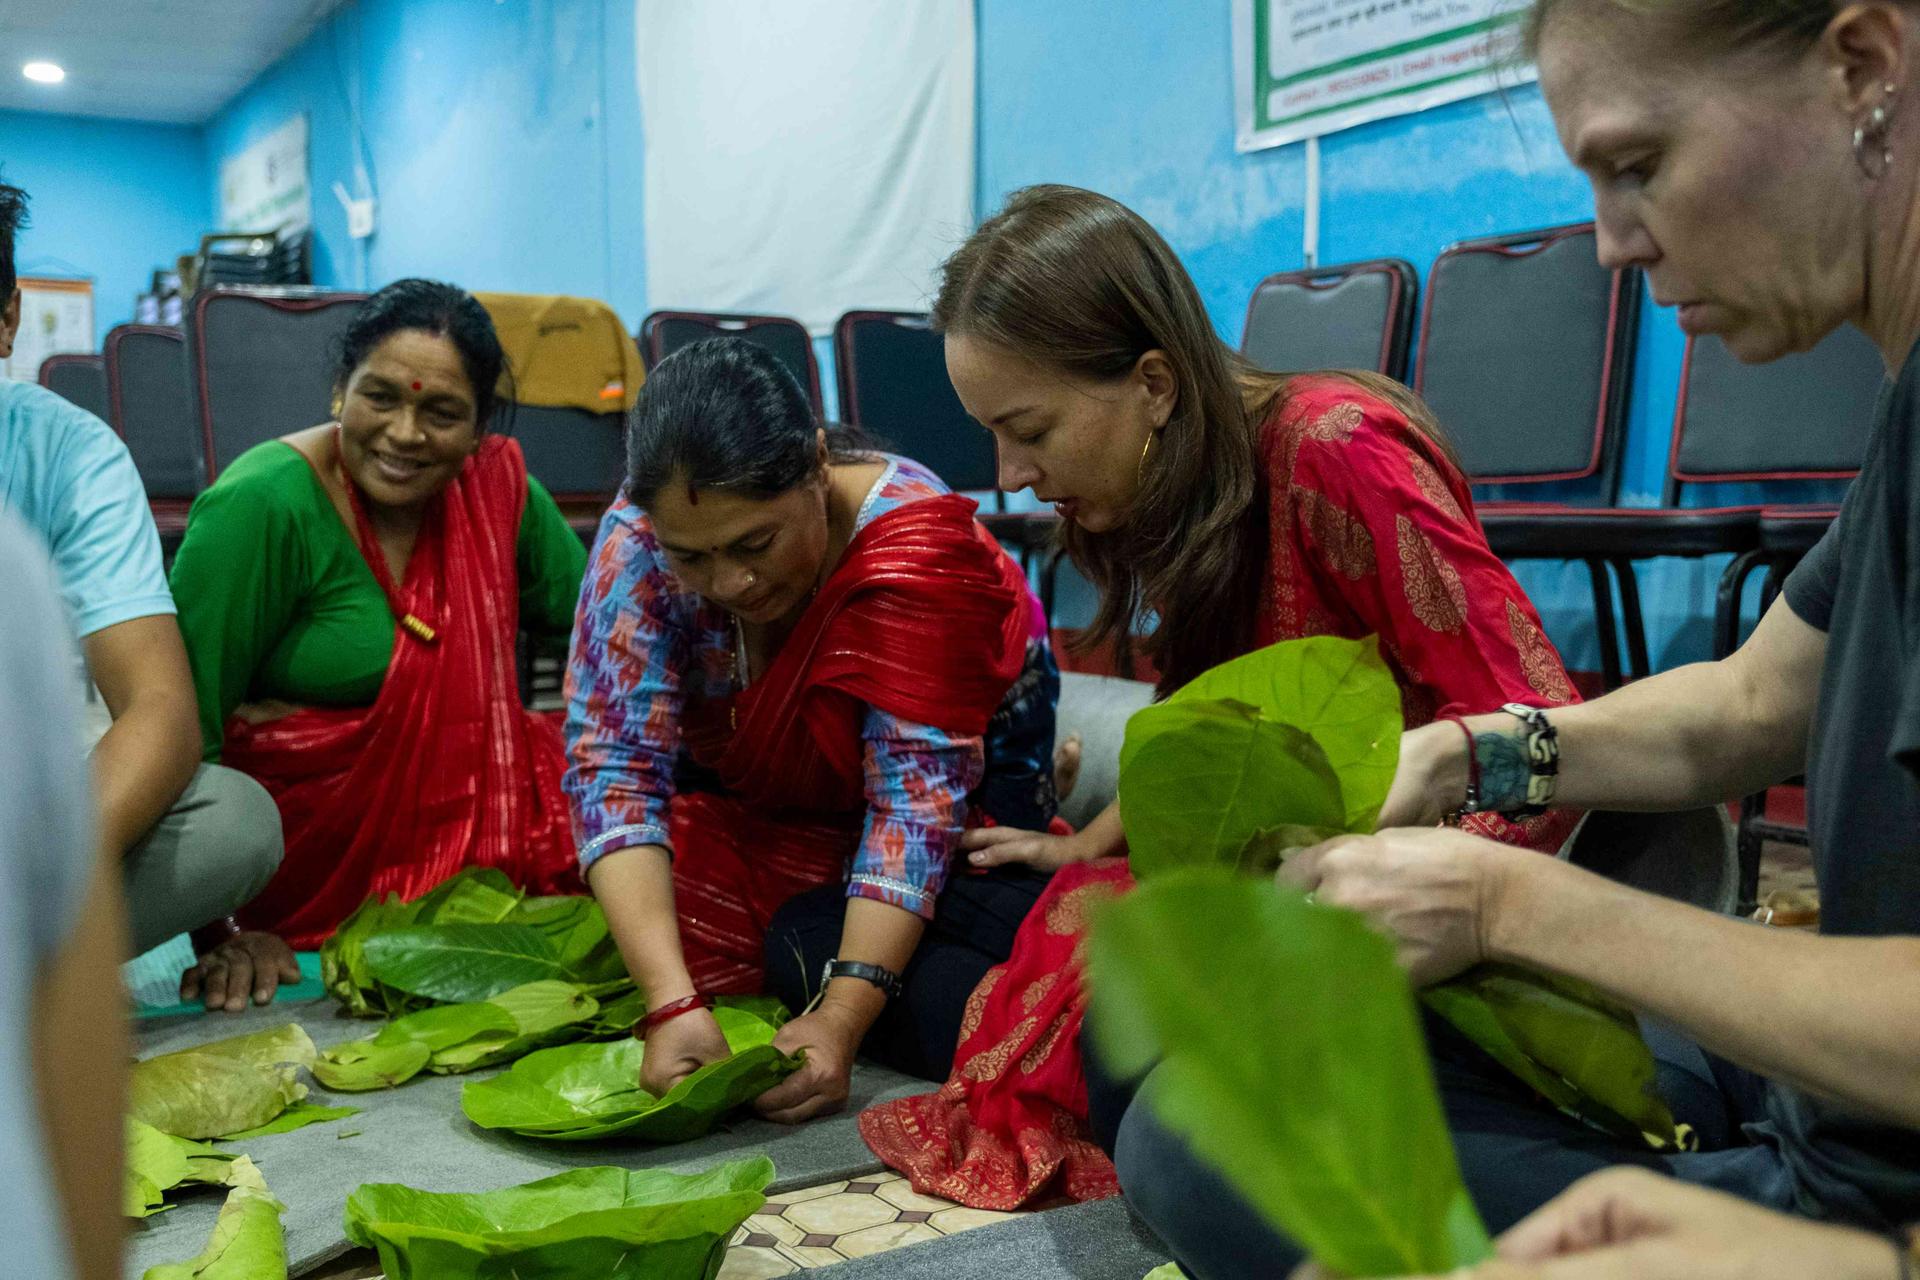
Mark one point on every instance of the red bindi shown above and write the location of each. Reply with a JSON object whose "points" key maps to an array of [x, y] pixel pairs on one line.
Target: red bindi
{"points": [[693, 499], [416, 386]]}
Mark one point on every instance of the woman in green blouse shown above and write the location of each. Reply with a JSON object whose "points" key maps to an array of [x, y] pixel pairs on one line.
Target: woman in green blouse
{"points": [[351, 597]]}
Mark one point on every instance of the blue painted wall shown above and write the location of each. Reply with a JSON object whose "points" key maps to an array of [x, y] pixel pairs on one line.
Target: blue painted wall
{"points": [[112, 200], [504, 141]]}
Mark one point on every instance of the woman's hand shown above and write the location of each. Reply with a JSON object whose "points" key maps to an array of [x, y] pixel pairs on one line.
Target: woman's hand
{"points": [[256, 962], [1630, 1224], [830, 1038], [1431, 780], [988, 847], [1435, 891], [679, 1047]]}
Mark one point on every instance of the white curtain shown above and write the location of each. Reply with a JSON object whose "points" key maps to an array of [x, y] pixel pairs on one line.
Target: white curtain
{"points": [[804, 157]]}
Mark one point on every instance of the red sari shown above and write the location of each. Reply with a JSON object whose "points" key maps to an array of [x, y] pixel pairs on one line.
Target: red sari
{"points": [[924, 618], [1372, 533], [446, 769]]}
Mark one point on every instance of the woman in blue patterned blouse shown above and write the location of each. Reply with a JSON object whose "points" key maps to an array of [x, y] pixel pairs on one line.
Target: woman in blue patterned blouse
{"points": [[800, 671]]}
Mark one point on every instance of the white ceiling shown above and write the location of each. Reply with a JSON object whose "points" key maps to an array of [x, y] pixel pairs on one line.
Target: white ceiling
{"points": [[172, 61]]}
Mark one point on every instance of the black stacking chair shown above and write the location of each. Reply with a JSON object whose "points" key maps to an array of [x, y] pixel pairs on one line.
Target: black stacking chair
{"points": [[580, 457], [262, 364], [891, 369], [1358, 316], [150, 396], [77, 379], [665, 332], [1798, 426], [1526, 356]]}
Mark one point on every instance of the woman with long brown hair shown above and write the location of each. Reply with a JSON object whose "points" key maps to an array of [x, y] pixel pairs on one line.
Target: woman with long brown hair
{"points": [[1237, 508]]}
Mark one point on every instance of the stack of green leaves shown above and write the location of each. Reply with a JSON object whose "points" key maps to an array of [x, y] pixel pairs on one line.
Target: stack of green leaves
{"points": [[465, 941], [1331, 1128], [158, 1162], [580, 1092], [243, 1087], [618, 1224], [247, 1242], [1298, 742], [451, 1038]]}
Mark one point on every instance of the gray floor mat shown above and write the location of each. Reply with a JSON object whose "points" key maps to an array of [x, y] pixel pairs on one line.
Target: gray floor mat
{"points": [[1101, 1240], [417, 1135]]}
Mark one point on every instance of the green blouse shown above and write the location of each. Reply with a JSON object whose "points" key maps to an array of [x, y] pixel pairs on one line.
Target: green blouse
{"points": [[276, 600]]}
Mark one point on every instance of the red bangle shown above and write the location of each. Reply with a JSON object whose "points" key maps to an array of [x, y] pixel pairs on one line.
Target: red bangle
{"points": [[668, 1012], [1473, 765]]}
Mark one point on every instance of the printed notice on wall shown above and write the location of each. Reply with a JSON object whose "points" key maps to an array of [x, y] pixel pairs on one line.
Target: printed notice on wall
{"points": [[265, 188], [1303, 68], [56, 318]]}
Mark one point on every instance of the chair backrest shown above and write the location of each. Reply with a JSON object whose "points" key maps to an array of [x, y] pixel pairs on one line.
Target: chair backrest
{"points": [[79, 379], [262, 364], [891, 369], [578, 456], [1358, 316], [1526, 357], [664, 332], [151, 397], [1803, 417]]}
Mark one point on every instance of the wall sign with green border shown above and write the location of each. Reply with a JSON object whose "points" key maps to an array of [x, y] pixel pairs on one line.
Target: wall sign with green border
{"points": [[1303, 68]]}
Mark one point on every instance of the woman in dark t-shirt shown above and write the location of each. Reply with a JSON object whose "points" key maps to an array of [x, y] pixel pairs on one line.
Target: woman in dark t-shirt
{"points": [[1761, 165]]}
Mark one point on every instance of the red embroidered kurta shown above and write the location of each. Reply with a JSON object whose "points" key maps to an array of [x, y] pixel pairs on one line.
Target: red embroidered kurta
{"points": [[1372, 533]]}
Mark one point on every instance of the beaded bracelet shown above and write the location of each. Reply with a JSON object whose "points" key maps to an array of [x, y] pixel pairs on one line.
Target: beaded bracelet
{"points": [[1543, 758], [1472, 802]]}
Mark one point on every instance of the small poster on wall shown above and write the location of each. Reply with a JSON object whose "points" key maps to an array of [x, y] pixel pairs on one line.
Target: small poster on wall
{"points": [[1304, 68], [56, 317], [265, 187]]}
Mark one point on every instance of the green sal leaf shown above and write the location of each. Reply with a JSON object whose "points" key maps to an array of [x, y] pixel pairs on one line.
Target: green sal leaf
{"points": [[1201, 784], [584, 1091], [297, 1117], [343, 962], [361, 1066], [1340, 692], [615, 1223], [247, 1242], [1332, 1127], [459, 963], [226, 1087], [1575, 1047], [539, 1007], [476, 895]]}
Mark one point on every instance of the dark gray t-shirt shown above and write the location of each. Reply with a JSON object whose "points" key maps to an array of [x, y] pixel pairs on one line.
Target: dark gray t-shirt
{"points": [[1861, 585]]}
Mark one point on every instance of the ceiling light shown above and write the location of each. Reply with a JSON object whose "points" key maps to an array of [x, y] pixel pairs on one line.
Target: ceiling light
{"points": [[44, 72]]}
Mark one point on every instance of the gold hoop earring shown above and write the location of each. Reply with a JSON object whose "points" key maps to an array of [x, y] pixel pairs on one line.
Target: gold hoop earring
{"points": [[1872, 138], [1140, 471]]}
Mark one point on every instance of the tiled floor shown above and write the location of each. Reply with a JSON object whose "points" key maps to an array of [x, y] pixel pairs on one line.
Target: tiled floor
{"points": [[841, 1220], [815, 1227]]}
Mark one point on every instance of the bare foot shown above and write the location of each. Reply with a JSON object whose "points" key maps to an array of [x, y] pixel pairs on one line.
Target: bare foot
{"points": [[1066, 766]]}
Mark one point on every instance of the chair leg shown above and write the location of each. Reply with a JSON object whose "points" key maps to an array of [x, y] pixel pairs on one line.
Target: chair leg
{"points": [[1630, 617], [1603, 623]]}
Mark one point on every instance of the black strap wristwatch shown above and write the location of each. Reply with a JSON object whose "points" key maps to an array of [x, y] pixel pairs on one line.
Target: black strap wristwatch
{"points": [[886, 979]]}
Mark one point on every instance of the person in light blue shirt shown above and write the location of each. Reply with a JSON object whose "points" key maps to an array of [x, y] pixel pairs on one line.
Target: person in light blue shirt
{"points": [[63, 1051], [196, 841]]}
